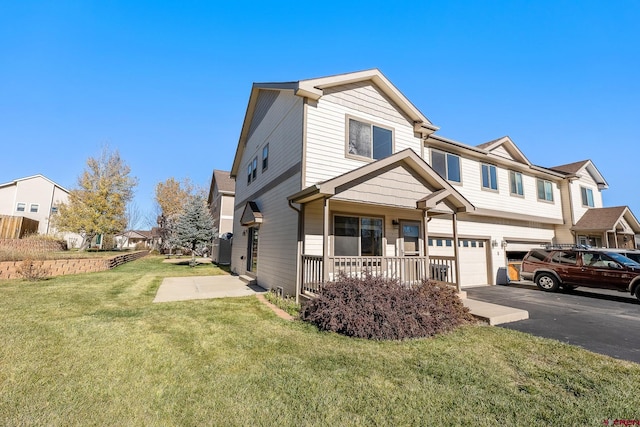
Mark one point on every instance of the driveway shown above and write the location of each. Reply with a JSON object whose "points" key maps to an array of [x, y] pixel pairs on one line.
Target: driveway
{"points": [[602, 321]]}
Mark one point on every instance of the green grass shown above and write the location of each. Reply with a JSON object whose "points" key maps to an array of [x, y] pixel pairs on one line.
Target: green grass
{"points": [[94, 350]]}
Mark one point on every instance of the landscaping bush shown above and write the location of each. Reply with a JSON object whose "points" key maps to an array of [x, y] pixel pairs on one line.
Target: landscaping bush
{"points": [[382, 309], [33, 270]]}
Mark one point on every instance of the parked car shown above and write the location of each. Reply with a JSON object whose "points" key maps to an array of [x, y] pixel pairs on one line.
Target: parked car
{"points": [[633, 254], [552, 268]]}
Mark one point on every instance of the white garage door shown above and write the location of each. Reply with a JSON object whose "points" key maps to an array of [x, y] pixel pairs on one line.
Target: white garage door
{"points": [[473, 258]]}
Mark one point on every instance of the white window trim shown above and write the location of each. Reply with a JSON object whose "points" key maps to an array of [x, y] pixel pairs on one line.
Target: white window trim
{"points": [[265, 148], [24, 207], [369, 122], [37, 205]]}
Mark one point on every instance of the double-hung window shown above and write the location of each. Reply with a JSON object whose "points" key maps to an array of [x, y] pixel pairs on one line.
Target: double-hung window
{"points": [[517, 188], [369, 141], [357, 236], [545, 190], [447, 165], [21, 207], [489, 177], [252, 171], [587, 197], [265, 157], [34, 207]]}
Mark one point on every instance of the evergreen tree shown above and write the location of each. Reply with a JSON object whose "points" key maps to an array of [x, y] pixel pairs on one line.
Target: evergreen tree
{"points": [[194, 226]]}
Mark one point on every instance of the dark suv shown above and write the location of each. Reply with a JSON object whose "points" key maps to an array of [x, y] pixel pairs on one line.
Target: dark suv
{"points": [[552, 268]]}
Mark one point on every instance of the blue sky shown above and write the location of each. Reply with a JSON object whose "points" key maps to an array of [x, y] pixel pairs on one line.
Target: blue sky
{"points": [[167, 83]]}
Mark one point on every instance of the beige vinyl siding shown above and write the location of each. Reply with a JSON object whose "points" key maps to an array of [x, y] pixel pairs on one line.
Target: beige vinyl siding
{"points": [[7, 200], [563, 231], [502, 152], [313, 228], [326, 129], [281, 128], [279, 124], [502, 200], [397, 187], [586, 180]]}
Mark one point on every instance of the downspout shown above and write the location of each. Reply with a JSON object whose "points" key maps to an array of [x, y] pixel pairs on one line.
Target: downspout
{"points": [[298, 250]]}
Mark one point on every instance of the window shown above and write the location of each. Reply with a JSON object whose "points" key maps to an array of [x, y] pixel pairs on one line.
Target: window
{"points": [[517, 189], [587, 196], [562, 257], [54, 209], [447, 165], [252, 171], [21, 207], [33, 208], [545, 190], [265, 157], [489, 177], [370, 141], [356, 236]]}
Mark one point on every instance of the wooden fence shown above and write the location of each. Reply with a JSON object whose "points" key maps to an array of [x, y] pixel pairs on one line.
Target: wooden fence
{"points": [[16, 227]]}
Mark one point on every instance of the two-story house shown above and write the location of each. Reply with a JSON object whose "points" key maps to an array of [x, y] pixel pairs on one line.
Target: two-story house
{"points": [[221, 205], [345, 174], [34, 197]]}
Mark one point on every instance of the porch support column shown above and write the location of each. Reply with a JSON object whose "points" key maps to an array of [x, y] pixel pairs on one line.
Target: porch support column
{"points": [[325, 239], [456, 251], [425, 237]]}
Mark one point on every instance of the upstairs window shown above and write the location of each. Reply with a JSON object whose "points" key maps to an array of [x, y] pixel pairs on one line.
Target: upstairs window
{"points": [[265, 157], [515, 178], [252, 171], [587, 197], [21, 207], [489, 177], [545, 190], [369, 141], [33, 208], [447, 165]]}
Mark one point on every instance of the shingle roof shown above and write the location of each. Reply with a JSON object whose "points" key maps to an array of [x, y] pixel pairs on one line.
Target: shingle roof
{"points": [[489, 143], [225, 183], [570, 168], [600, 218]]}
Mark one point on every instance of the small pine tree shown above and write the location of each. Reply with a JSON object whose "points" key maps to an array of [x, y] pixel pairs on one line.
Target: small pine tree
{"points": [[194, 225]]}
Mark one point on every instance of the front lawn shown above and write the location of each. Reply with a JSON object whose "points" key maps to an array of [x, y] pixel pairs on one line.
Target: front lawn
{"points": [[94, 350]]}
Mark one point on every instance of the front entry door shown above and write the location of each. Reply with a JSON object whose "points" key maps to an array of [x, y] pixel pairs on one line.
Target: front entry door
{"points": [[252, 249]]}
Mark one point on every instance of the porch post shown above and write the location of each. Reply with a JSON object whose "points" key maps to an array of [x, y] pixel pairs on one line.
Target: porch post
{"points": [[325, 240], [456, 251], [425, 244]]}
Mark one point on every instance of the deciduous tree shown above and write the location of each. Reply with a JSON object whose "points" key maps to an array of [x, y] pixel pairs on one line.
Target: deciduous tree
{"points": [[98, 204]]}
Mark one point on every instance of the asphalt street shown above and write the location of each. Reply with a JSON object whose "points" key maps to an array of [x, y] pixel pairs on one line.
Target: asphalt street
{"points": [[602, 321]]}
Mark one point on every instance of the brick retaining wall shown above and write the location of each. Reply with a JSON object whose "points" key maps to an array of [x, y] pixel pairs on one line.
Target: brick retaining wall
{"points": [[61, 267], [33, 245]]}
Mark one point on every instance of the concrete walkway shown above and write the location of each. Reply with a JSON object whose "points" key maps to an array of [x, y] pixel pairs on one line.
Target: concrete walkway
{"points": [[204, 287]]}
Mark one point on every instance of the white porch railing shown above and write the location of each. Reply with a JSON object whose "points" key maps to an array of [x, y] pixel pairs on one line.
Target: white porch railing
{"points": [[407, 270]]}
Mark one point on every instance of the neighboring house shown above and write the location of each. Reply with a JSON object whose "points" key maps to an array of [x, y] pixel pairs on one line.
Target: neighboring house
{"points": [[35, 197], [345, 174], [129, 239], [221, 205]]}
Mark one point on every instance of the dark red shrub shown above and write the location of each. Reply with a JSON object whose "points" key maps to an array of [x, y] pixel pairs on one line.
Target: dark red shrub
{"points": [[378, 308]]}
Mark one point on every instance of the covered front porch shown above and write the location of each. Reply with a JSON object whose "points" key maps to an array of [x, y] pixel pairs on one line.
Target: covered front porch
{"points": [[615, 227], [374, 220]]}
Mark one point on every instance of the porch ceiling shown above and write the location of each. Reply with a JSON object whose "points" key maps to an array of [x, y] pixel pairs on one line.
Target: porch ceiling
{"points": [[436, 189]]}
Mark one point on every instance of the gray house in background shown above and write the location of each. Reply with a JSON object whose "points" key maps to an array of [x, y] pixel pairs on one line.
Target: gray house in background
{"points": [[220, 201]]}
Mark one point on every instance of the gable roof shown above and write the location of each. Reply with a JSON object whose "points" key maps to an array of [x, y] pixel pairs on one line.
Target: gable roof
{"points": [[313, 89], [15, 181], [573, 169], [224, 182], [444, 191], [606, 219], [508, 144]]}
